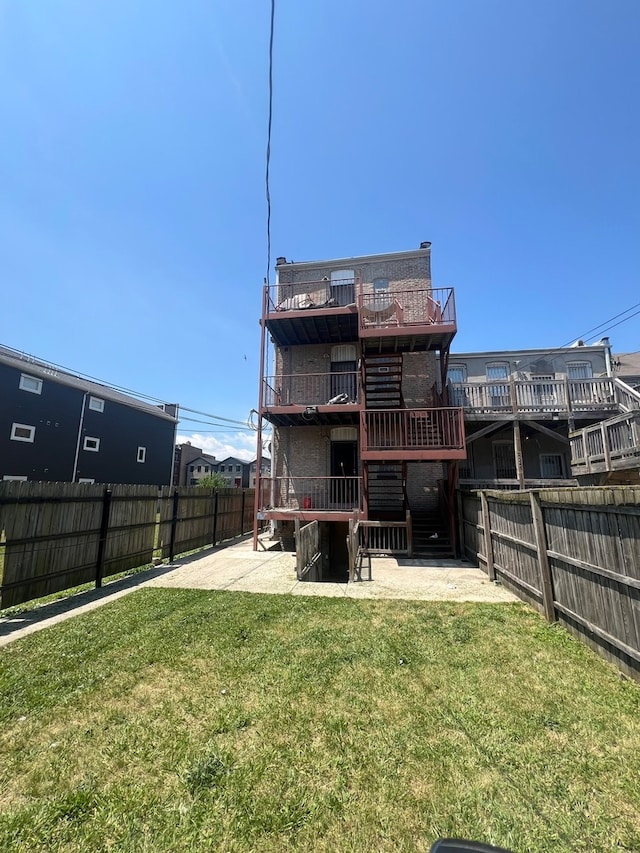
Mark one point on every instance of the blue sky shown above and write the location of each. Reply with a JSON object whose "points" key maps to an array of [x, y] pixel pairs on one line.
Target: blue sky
{"points": [[132, 212]]}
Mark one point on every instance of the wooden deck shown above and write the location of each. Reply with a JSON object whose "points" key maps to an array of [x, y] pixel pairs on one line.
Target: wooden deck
{"points": [[611, 445]]}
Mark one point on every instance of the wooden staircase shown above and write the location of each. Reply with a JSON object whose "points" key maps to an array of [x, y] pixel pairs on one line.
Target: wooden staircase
{"points": [[430, 536], [386, 491], [383, 381]]}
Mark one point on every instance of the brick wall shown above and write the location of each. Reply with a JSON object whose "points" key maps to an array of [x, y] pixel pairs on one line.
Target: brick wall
{"points": [[418, 376], [422, 484]]}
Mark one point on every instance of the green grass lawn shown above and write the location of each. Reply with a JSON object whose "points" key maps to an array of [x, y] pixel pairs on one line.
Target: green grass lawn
{"points": [[181, 720]]}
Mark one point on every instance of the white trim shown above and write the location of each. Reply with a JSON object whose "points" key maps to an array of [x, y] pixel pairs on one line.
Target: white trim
{"points": [[96, 404], [23, 385], [143, 454], [20, 478], [330, 262], [90, 438], [15, 437]]}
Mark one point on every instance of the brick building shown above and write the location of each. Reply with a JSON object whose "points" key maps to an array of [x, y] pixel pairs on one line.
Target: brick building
{"points": [[352, 350]]}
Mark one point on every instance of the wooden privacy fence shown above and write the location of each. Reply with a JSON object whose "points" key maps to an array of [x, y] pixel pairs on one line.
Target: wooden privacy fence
{"points": [[54, 536], [572, 553]]}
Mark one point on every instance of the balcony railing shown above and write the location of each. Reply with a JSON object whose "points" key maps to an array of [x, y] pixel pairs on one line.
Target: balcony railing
{"points": [[311, 389], [401, 308], [609, 445], [312, 294], [395, 306], [511, 483], [413, 429], [325, 494], [535, 396]]}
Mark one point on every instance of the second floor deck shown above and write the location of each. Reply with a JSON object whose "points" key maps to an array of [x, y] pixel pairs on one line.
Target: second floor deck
{"points": [[546, 399]]}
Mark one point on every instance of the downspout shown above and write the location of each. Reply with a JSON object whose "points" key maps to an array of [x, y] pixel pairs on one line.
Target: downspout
{"points": [[80, 425]]}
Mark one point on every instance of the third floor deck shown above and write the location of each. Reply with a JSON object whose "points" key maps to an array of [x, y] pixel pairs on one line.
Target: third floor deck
{"points": [[395, 319]]}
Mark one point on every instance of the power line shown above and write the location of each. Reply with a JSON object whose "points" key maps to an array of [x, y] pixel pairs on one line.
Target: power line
{"points": [[268, 153], [608, 328], [615, 317]]}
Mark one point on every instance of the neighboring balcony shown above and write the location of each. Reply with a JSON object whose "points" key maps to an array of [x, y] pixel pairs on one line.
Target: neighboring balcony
{"points": [[312, 398], [341, 311], [413, 435], [611, 445], [550, 399], [416, 319], [329, 498]]}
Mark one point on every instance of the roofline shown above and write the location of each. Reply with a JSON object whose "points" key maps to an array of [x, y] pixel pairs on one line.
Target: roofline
{"points": [[517, 352], [388, 256], [50, 373]]}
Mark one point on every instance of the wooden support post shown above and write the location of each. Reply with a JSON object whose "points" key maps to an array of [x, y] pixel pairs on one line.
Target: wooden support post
{"points": [[461, 538], [104, 529], [241, 513], [605, 445], [546, 582], [214, 533], [517, 447], [409, 534], [488, 544], [174, 525]]}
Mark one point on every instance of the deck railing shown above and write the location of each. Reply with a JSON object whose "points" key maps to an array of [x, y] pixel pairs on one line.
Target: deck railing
{"points": [[311, 389], [472, 483], [609, 445], [315, 293], [413, 429], [325, 494], [532, 396], [407, 307], [395, 306], [627, 397], [386, 537]]}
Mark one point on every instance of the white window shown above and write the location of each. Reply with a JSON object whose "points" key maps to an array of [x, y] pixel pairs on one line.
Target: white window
{"points": [[142, 454], [30, 383], [580, 370], [499, 395], [551, 466], [381, 291], [23, 432], [343, 287], [96, 404], [457, 373], [86, 480], [19, 477], [91, 444]]}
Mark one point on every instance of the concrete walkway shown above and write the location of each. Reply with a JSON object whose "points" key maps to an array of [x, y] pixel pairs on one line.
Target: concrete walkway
{"points": [[238, 568]]}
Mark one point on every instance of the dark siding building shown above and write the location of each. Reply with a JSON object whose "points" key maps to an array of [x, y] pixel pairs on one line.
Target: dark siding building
{"points": [[58, 427]]}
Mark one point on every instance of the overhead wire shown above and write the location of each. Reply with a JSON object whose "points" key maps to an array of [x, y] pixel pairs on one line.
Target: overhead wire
{"points": [[268, 152]]}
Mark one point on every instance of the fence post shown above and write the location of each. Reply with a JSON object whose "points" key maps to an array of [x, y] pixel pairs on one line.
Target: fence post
{"points": [[546, 582], [461, 530], [488, 544], [104, 529], [174, 524], [215, 518], [242, 514]]}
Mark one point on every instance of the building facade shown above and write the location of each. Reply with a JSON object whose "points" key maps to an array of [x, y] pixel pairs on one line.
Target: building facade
{"points": [[57, 427], [519, 407], [351, 388]]}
